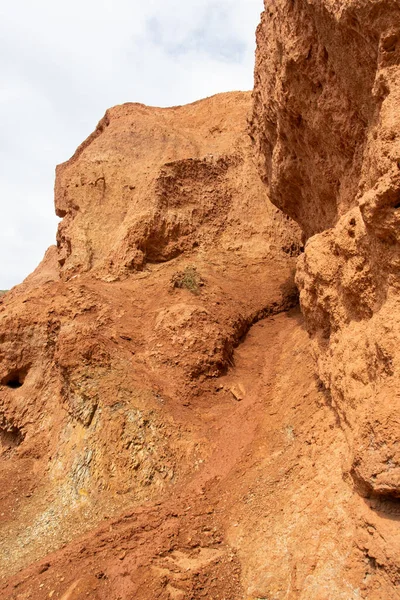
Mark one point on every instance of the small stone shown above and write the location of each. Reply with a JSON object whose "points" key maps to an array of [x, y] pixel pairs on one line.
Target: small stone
{"points": [[237, 391]]}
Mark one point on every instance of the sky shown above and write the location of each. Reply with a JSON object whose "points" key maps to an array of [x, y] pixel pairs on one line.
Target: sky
{"points": [[63, 63]]}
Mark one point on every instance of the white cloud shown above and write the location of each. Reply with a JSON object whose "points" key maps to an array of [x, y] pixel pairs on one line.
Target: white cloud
{"points": [[64, 63]]}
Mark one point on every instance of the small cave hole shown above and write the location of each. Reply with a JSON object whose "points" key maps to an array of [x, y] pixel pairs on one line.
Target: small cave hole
{"points": [[390, 43], [14, 384], [397, 205], [15, 379]]}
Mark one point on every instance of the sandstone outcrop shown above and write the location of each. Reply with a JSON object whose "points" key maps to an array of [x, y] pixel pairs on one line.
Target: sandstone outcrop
{"points": [[326, 123]]}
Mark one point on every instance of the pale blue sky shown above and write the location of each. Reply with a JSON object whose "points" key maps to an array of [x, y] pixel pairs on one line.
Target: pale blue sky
{"points": [[64, 63]]}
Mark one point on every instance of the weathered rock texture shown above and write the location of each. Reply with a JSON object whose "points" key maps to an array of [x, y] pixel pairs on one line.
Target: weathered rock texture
{"points": [[326, 123]]}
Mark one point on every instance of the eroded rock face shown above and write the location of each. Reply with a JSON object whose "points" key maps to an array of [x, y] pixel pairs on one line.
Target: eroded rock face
{"points": [[326, 122], [151, 184], [167, 254]]}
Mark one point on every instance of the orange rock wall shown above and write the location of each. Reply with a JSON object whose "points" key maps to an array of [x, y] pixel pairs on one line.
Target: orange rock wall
{"points": [[326, 123]]}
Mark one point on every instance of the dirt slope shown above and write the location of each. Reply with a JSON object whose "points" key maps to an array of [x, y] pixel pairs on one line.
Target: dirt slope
{"points": [[267, 515]]}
